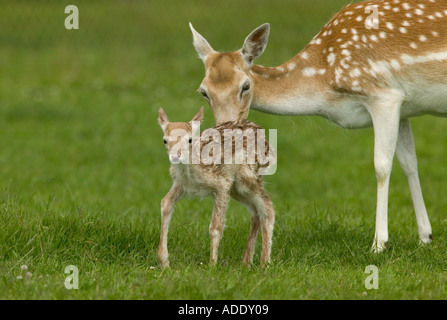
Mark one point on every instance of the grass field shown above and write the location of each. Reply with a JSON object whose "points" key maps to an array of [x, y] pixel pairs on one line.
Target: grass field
{"points": [[83, 168]]}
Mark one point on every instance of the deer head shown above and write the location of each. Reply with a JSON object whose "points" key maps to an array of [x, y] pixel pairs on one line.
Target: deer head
{"points": [[227, 85]]}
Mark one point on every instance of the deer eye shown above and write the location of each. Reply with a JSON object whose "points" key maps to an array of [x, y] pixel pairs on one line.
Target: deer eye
{"points": [[203, 93], [190, 140], [164, 141], [244, 89]]}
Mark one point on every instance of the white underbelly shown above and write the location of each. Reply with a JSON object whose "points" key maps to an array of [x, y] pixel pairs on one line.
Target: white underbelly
{"points": [[349, 115], [425, 100], [352, 114]]}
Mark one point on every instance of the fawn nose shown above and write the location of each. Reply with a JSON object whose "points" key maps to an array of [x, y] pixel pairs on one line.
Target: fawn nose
{"points": [[174, 158]]}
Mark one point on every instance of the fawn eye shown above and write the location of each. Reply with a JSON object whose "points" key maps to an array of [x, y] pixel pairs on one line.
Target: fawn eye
{"points": [[164, 141], [190, 140]]}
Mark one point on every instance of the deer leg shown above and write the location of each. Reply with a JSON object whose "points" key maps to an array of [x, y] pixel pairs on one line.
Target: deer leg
{"points": [[406, 153], [167, 208], [217, 223], [385, 115]]}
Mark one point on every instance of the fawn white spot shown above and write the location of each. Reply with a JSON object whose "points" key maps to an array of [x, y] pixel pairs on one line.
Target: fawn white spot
{"points": [[389, 25], [291, 66], [402, 30], [419, 12], [413, 45], [422, 38]]}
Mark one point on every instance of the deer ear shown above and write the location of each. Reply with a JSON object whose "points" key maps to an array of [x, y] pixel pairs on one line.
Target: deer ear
{"points": [[199, 116], [202, 46], [162, 118], [255, 43]]}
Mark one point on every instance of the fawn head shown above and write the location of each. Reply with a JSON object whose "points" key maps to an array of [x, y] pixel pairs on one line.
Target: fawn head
{"points": [[178, 136]]}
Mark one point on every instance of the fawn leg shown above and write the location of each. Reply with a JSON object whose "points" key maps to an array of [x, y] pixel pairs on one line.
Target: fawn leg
{"points": [[167, 208], [217, 223], [247, 260], [263, 215], [267, 217], [246, 200]]}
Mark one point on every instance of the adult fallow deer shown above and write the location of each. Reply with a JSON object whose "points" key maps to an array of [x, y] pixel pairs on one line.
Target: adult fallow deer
{"points": [[361, 70]]}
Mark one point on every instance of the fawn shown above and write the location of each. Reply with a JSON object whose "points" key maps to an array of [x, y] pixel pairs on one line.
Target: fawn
{"points": [[219, 179]]}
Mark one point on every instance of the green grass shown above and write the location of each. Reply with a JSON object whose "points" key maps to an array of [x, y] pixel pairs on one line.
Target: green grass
{"points": [[83, 168]]}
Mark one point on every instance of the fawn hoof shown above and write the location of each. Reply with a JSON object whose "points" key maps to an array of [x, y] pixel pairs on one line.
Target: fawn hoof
{"points": [[164, 263]]}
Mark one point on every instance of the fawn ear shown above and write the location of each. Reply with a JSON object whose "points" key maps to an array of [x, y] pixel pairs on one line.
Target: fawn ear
{"points": [[202, 46], [255, 43], [162, 118], [199, 116]]}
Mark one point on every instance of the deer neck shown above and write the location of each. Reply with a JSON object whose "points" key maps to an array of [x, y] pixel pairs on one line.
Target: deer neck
{"points": [[297, 87]]}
